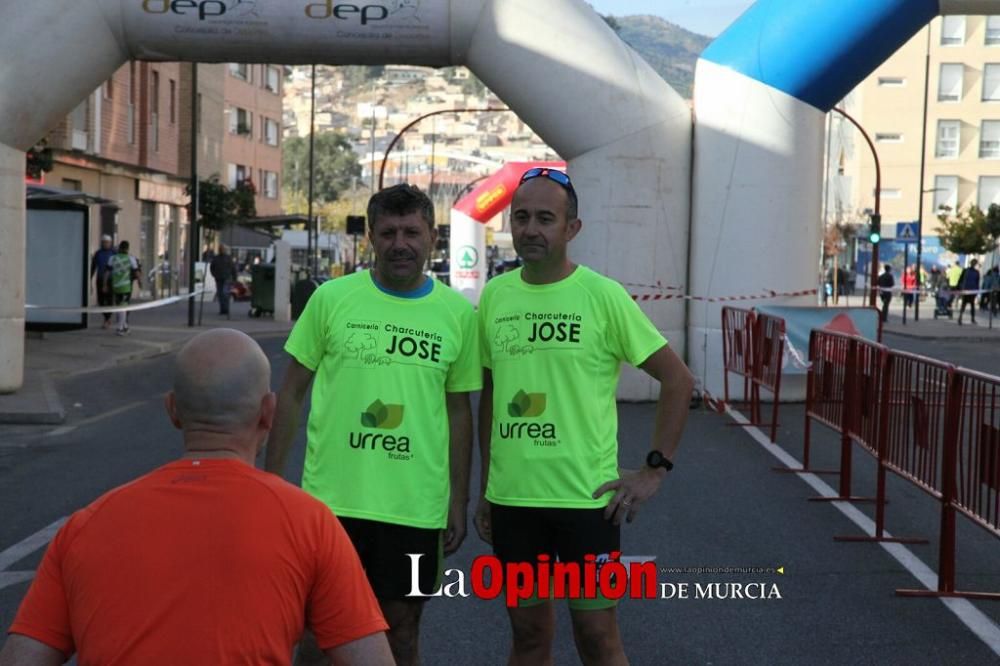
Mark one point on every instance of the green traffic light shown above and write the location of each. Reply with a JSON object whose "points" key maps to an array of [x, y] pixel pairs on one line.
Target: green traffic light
{"points": [[874, 237]]}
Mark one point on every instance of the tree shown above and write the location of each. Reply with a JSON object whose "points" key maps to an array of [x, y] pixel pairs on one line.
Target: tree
{"points": [[335, 161], [220, 206], [967, 232]]}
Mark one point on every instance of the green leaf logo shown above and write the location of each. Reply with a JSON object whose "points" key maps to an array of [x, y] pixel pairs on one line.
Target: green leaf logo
{"points": [[382, 416], [525, 404]]}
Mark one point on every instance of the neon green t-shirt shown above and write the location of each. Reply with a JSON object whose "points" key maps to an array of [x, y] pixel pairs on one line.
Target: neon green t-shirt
{"points": [[555, 352], [378, 433]]}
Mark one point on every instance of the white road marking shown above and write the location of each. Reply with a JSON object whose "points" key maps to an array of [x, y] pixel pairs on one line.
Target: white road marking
{"points": [[21, 550], [977, 622], [94, 419]]}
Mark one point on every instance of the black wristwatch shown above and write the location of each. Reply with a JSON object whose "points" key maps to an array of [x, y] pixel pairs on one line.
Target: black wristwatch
{"points": [[655, 459]]}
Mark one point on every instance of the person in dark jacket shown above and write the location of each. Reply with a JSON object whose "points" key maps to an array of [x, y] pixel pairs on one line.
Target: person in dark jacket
{"points": [[98, 271], [968, 283], [885, 285], [224, 271]]}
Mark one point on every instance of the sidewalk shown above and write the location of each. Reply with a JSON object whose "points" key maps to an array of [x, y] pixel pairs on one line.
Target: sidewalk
{"points": [[152, 332], [942, 328]]}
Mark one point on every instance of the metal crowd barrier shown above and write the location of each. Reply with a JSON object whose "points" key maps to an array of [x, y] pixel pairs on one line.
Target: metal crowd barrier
{"points": [[930, 423], [769, 339], [737, 348], [753, 347]]}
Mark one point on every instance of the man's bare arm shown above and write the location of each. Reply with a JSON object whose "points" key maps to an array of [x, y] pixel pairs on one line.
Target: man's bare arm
{"points": [[460, 460], [371, 650], [482, 517], [24, 651], [676, 384], [291, 396]]}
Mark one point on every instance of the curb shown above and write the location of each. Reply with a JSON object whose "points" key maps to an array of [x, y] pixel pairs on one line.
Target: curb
{"points": [[54, 414], [946, 338]]}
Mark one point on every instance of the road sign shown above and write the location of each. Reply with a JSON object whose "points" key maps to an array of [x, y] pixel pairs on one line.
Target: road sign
{"points": [[906, 232]]}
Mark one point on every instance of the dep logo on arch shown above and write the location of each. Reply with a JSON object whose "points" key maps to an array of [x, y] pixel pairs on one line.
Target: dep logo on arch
{"points": [[203, 9]]}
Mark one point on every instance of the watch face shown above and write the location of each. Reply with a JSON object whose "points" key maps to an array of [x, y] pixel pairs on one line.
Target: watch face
{"points": [[657, 459]]}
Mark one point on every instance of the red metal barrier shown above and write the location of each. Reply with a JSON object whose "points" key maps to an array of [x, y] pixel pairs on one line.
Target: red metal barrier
{"points": [[769, 339], [882, 387], [970, 471], [737, 348], [825, 389]]}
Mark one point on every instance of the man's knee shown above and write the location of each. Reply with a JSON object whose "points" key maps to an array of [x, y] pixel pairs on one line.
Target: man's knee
{"points": [[533, 628], [597, 637], [403, 618]]}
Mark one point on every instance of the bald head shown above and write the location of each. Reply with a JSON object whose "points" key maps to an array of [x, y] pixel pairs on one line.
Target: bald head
{"points": [[220, 379]]}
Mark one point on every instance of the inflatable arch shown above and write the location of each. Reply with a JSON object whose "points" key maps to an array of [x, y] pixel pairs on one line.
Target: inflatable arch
{"points": [[749, 192], [624, 132]]}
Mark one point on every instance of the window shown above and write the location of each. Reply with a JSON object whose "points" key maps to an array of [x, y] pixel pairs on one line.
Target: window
{"points": [[108, 89], [950, 82], [989, 192], [237, 173], [79, 136], [240, 70], [130, 112], [154, 111], [991, 82], [269, 131], [240, 121], [989, 140], [273, 80], [945, 193], [270, 184], [173, 101], [888, 137], [992, 30], [72, 184], [948, 135], [891, 81], [953, 31]]}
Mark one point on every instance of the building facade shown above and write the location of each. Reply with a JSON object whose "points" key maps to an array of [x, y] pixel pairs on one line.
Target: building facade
{"points": [[130, 141], [958, 59]]}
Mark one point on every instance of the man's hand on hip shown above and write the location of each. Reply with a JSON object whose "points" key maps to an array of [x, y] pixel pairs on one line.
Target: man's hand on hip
{"points": [[631, 490]]}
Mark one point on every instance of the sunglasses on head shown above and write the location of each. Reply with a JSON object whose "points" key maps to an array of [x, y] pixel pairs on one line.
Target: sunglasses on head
{"points": [[554, 175]]}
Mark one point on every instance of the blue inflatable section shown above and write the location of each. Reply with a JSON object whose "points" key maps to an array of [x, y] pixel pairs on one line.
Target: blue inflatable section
{"points": [[818, 50]]}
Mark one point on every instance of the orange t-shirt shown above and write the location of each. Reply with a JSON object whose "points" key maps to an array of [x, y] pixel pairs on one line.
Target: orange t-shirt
{"points": [[199, 562]]}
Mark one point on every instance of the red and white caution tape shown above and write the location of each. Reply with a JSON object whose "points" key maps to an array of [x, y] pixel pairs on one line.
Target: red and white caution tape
{"points": [[110, 309], [723, 299]]}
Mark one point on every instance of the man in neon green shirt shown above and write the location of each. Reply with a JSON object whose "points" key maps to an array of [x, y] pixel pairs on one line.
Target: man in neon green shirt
{"points": [[553, 336], [394, 355]]}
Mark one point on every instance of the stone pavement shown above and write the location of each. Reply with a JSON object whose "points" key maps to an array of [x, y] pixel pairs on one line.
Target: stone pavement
{"points": [[67, 353]]}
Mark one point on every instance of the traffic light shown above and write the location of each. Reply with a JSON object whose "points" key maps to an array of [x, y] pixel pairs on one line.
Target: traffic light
{"points": [[875, 229]]}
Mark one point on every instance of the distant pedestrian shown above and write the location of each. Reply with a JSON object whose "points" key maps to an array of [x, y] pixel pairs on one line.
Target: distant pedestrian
{"points": [[991, 289], [885, 285], [954, 276], [98, 273], [969, 285], [224, 271], [123, 271], [909, 286]]}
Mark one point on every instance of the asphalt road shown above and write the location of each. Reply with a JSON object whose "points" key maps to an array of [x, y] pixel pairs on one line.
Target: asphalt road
{"points": [[721, 507]]}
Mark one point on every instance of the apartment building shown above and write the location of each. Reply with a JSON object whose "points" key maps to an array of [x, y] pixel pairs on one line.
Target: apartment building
{"points": [[251, 145], [961, 135], [130, 141]]}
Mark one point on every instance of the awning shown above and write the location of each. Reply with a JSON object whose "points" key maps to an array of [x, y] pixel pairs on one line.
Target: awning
{"points": [[37, 192]]}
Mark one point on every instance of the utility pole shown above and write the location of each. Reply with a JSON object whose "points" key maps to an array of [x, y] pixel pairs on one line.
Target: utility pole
{"points": [[194, 243]]}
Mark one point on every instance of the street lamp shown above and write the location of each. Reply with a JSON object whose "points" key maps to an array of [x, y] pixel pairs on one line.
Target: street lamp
{"points": [[920, 245], [876, 218]]}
